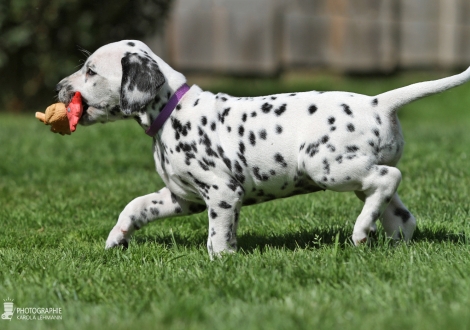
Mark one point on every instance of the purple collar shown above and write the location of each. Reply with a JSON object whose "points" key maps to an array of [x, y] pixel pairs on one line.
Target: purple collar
{"points": [[167, 110]]}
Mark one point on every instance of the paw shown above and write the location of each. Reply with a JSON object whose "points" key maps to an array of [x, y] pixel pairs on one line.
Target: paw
{"points": [[118, 238], [359, 239], [217, 253]]}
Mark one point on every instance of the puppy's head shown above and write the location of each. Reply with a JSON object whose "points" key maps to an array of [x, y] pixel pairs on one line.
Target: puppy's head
{"points": [[117, 81]]}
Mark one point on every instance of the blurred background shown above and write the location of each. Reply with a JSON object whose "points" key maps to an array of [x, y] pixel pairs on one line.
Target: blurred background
{"points": [[42, 41]]}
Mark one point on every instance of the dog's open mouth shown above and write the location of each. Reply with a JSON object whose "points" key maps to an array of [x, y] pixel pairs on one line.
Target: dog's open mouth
{"points": [[85, 106]]}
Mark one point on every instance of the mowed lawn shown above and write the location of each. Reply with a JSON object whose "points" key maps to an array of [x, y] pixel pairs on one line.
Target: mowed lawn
{"points": [[295, 269]]}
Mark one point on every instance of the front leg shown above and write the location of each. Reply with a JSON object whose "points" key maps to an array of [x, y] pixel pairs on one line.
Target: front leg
{"points": [[142, 210], [224, 209]]}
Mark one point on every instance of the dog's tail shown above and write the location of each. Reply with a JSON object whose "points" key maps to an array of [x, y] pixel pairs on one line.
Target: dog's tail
{"points": [[397, 98]]}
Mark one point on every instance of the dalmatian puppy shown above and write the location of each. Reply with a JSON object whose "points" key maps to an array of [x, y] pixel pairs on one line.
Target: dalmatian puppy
{"points": [[218, 152]]}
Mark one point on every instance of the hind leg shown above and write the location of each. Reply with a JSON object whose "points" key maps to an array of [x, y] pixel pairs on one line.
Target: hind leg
{"points": [[374, 184], [378, 188], [397, 221]]}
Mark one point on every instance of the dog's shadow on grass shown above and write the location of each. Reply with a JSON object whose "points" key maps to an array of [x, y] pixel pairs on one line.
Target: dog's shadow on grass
{"points": [[250, 242], [440, 235]]}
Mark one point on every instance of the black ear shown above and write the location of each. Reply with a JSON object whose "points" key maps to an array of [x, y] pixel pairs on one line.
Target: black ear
{"points": [[141, 81]]}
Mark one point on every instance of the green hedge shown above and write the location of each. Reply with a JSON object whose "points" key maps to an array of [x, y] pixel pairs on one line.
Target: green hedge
{"points": [[40, 41]]}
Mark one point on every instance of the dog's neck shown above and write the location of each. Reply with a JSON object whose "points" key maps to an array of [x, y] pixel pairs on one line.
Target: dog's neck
{"points": [[174, 80], [146, 116]]}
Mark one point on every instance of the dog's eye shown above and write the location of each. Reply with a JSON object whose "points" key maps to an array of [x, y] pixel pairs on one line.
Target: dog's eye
{"points": [[90, 72]]}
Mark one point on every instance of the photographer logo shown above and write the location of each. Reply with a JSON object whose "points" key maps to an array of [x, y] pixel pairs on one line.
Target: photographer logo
{"points": [[8, 309], [29, 313]]}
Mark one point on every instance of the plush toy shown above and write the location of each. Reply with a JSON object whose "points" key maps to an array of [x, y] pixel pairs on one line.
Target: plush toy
{"points": [[63, 120]]}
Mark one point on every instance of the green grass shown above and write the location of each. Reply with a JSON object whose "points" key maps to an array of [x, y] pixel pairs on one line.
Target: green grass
{"points": [[60, 196]]}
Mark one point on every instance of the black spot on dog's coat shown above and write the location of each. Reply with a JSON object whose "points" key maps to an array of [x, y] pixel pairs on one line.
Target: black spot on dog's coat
{"points": [[238, 167], [280, 110], [241, 130], [224, 205], [263, 134], [203, 166], [312, 109], [221, 116], [213, 214], [347, 109], [378, 119], [266, 107], [252, 138], [352, 148], [312, 149], [241, 147], [258, 175], [280, 160], [403, 214], [326, 166]]}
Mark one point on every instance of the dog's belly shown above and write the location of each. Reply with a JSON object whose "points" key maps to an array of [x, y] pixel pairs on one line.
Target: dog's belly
{"points": [[279, 187]]}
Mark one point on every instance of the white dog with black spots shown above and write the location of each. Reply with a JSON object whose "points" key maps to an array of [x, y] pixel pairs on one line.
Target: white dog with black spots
{"points": [[220, 152]]}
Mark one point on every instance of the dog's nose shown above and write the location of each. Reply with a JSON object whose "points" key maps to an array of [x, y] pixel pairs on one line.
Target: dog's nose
{"points": [[58, 87]]}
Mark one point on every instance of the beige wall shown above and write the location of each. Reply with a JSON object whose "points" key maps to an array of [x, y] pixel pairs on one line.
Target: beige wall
{"points": [[365, 36]]}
